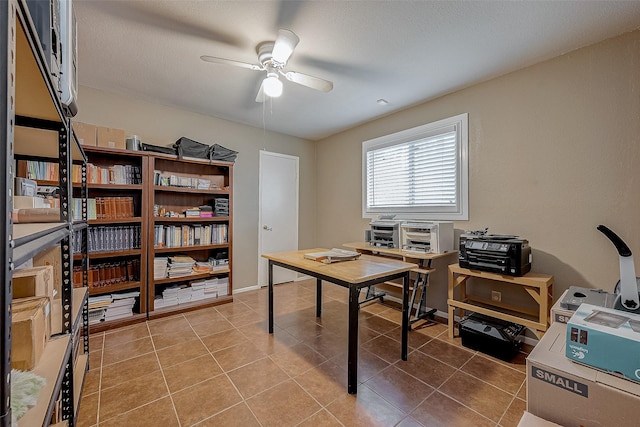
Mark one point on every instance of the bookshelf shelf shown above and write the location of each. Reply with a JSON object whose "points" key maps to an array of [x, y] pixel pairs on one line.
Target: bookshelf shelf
{"points": [[114, 187], [171, 189], [191, 248], [132, 220], [191, 277], [107, 289], [159, 219], [195, 305]]}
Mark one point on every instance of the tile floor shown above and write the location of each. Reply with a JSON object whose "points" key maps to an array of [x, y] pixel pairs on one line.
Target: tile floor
{"points": [[219, 367]]}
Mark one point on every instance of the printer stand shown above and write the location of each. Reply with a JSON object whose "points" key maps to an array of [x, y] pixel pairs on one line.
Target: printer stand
{"points": [[538, 286], [420, 282]]}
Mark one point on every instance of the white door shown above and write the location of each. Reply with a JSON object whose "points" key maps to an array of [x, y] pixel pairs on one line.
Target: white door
{"points": [[278, 212]]}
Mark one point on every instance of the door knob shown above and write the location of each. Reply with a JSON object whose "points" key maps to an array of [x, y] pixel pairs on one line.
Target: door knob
{"points": [[267, 228]]}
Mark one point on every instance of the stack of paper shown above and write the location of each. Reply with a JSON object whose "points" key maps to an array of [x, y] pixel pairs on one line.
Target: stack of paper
{"points": [[180, 265], [160, 267], [97, 308], [169, 297]]}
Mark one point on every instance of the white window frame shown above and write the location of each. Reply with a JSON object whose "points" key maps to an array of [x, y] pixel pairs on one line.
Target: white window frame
{"points": [[461, 210]]}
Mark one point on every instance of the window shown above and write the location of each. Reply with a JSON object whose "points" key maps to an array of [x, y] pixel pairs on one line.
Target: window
{"points": [[419, 173]]}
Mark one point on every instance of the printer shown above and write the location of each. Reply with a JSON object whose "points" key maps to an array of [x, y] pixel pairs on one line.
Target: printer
{"points": [[384, 233], [502, 254], [427, 236]]}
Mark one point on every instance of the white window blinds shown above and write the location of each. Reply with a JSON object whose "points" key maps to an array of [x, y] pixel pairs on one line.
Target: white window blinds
{"points": [[420, 171], [416, 173]]}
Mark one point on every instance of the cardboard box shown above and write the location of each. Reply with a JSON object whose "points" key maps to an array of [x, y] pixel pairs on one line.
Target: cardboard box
{"points": [[86, 134], [30, 332], [33, 282], [111, 138], [559, 314], [606, 339], [530, 420], [574, 395], [52, 257], [29, 202]]}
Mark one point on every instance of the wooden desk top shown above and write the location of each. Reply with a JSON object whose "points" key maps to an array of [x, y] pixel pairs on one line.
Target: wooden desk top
{"points": [[395, 251], [361, 270]]}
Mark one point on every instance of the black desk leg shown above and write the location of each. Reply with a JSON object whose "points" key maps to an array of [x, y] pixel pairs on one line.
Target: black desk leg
{"points": [[270, 297], [405, 315], [318, 298], [352, 366]]}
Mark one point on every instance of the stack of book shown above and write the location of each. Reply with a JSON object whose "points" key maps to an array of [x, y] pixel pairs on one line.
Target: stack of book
{"points": [[180, 265], [221, 207], [168, 298], [202, 267], [121, 306], [97, 308], [206, 211], [220, 261], [160, 267], [211, 288]]}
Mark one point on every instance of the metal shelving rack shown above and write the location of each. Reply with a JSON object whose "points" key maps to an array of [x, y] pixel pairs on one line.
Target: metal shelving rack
{"points": [[31, 111]]}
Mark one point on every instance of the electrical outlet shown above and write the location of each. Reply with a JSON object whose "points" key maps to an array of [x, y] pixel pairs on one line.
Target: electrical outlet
{"points": [[496, 296]]}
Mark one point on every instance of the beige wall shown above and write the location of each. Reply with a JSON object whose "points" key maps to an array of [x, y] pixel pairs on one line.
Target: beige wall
{"points": [[554, 151], [160, 125]]}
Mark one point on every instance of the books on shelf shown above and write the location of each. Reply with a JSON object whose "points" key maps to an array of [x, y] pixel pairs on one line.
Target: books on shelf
{"points": [[111, 307], [109, 273], [104, 208], [175, 236], [333, 255], [38, 170], [114, 174], [182, 294], [180, 265], [166, 179], [160, 267], [112, 239]]}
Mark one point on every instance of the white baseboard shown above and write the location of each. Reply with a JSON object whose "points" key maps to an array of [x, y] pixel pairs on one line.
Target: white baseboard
{"points": [[246, 289]]}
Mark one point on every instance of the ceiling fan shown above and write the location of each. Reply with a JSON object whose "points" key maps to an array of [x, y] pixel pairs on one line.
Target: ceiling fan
{"points": [[272, 58]]}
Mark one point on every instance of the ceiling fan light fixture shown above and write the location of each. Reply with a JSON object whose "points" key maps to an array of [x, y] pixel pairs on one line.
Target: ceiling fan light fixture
{"points": [[272, 86]]}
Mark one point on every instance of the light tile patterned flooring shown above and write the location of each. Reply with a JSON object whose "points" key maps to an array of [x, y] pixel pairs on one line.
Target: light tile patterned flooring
{"points": [[219, 367]]}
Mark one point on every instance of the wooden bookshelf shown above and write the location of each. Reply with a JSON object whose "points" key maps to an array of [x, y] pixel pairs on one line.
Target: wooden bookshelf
{"points": [[120, 175], [189, 183]]}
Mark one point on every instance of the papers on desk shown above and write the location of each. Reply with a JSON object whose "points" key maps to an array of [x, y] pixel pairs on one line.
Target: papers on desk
{"points": [[334, 255]]}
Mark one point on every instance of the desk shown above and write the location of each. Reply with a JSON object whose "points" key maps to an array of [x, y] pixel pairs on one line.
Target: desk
{"points": [[354, 275], [422, 269], [538, 286]]}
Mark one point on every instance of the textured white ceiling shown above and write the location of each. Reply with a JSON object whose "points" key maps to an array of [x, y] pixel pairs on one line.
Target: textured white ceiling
{"points": [[403, 51]]}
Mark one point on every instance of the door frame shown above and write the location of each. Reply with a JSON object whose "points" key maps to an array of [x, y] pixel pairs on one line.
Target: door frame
{"points": [[262, 277]]}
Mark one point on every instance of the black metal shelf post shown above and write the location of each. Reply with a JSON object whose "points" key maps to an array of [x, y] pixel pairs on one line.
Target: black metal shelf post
{"points": [[7, 112]]}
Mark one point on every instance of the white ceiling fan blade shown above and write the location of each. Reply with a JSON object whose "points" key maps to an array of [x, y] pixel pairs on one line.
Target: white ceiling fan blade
{"points": [[216, 60], [284, 45], [261, 97], [309, 81]]}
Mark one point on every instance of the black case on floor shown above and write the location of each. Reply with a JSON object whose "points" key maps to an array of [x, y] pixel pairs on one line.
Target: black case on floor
{"points": [[492, 336]]}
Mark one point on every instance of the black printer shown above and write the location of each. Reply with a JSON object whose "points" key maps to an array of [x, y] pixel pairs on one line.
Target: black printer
{"points": [[502, 254]]}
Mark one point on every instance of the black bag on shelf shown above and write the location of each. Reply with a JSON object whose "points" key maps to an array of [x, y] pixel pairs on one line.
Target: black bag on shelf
{"points": [[218, 152], [189, 148], [157, 149]]}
